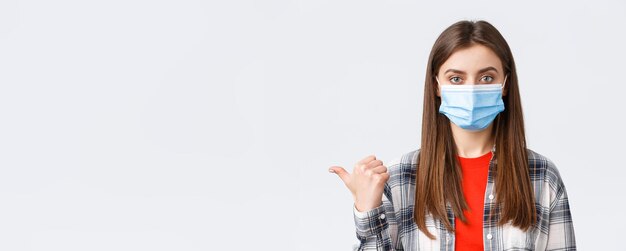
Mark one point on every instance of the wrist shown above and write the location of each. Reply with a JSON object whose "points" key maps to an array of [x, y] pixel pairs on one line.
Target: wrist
{"points": [[364, 207]]}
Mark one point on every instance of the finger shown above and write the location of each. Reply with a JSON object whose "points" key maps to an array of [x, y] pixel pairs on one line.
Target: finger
{"points": [[343, 175], [374, 163], [366, 159], [379, 169]]}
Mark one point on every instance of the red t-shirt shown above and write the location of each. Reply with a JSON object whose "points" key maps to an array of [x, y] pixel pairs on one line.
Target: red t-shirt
{"points": [[474, 181]]}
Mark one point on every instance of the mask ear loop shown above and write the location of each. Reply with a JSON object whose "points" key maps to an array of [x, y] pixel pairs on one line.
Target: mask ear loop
{"points": [[504, 83], [438, 84]]}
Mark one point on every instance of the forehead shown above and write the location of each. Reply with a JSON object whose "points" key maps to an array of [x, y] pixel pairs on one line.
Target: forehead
{"points": [[472, 59]]}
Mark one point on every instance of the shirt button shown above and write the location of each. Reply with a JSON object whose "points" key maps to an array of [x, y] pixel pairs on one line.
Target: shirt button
{"points": [[382, 216], [491, 196], [489, 236]]}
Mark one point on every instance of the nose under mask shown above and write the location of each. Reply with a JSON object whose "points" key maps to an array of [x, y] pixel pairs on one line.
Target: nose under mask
{"points": [[471, 107]]}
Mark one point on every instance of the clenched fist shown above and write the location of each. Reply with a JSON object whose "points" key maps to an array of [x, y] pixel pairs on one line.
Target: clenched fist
{"points": [[366, 182]]}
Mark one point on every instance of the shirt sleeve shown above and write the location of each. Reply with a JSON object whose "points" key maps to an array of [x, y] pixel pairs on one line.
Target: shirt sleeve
{"points": [[561, 229], [376, 229]]}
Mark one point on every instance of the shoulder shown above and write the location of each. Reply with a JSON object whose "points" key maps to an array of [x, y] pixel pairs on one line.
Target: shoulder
{"points": [[403, 162], [400, 185], [543, 168], [402, 169], [546, 177]]}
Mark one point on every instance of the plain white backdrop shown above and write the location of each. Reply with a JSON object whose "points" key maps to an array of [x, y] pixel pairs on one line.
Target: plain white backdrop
{"points": [[210, 125]]}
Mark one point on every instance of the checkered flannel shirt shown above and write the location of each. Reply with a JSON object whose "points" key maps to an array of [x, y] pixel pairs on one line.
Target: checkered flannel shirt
{"points": [[391, 227]]}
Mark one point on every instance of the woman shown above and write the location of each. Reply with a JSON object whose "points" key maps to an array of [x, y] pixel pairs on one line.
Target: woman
{"points": [[473, 184]]}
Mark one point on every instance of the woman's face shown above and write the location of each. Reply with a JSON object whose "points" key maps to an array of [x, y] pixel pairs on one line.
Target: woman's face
{"points": [[476, 64]]}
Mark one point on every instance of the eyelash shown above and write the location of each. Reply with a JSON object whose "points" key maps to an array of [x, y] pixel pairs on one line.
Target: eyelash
{"points": [[453, 78], [487, 76], [450, 79]]}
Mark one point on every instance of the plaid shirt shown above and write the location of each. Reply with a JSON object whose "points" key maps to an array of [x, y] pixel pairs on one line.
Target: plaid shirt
{"points": [[391, 226]]}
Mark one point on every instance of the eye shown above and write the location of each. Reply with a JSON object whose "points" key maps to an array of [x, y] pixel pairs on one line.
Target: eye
{"points": [[486, 78], [455, 80]]}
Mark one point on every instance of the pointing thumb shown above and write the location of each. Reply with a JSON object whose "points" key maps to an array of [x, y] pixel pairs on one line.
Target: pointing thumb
{"points": [[343, 175]]}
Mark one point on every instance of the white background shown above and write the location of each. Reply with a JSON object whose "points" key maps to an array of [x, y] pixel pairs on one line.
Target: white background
{"points": [[210, 125]]}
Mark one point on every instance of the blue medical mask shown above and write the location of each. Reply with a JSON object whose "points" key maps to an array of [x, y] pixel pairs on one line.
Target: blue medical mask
{"points": [[471, 107]]}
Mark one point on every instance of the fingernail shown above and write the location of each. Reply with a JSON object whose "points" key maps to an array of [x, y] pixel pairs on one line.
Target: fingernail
{"points": [[331, 171]]}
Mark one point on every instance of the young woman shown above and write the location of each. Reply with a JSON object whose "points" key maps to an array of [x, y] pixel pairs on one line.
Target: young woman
{"points": [[473, 184]]}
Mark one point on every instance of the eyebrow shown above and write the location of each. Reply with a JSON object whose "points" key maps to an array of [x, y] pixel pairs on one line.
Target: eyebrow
{"points": [[488, 68]]}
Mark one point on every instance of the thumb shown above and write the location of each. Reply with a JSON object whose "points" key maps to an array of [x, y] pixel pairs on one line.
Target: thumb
{"points": [[343, 175]]}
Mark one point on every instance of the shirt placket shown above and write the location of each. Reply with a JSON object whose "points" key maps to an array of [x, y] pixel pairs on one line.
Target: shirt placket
{"points": [[489, 216]]}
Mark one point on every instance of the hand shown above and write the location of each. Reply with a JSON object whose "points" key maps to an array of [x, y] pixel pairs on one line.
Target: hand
{"points": [[366, 183]]}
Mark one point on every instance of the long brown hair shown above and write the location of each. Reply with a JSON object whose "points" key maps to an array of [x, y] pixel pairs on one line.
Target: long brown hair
{"points": [[439, 175]]}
